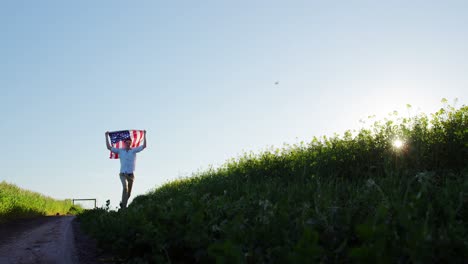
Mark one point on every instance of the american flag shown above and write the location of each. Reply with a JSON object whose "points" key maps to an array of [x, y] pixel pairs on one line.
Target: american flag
{"points": [[117, 139]]}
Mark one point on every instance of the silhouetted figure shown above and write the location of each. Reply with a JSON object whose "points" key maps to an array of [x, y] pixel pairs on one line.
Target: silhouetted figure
{"points": [[127, 157]]}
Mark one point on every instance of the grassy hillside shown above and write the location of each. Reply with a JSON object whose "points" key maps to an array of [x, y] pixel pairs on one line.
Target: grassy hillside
{"points": [[19, 203], [354, 198]]}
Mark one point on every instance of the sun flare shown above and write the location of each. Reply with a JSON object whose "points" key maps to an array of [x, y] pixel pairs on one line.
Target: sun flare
{"points": [[398, 143]]}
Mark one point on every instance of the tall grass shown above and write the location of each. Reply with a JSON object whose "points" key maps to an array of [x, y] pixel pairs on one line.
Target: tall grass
{"points": [[344, 199], [19, 203]]}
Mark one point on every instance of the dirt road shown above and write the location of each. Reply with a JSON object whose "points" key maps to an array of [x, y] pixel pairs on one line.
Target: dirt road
{"points": [[41, 240]]}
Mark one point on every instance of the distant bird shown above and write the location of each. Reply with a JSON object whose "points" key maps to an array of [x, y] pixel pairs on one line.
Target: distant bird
{"points": [[276, 83]]}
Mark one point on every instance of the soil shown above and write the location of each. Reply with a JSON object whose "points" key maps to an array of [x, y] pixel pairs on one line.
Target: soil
{"points": [[51, 239]]}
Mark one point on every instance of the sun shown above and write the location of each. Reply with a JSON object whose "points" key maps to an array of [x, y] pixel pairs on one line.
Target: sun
{"points": [[398, 143]]}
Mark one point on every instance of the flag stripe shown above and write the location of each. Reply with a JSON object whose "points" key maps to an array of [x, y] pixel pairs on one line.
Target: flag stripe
{"points": [[140, 138], [134, 140]]}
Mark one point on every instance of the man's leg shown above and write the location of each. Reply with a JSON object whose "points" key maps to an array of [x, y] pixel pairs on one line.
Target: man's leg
{"points": [[130, 179], [123, 179]]}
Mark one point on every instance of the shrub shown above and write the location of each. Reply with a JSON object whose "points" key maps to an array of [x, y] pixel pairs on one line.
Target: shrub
{"points": [[19, 203], [349, 199]]}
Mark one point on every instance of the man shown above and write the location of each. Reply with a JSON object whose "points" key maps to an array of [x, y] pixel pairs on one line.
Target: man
{"points": [[127, 157]]}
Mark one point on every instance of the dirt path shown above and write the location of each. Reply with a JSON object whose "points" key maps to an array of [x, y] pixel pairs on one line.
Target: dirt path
{"points": [[39, 240]]}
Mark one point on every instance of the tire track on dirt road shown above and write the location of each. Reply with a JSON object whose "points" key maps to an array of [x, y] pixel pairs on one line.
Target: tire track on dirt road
{"points": [[42, 240]]}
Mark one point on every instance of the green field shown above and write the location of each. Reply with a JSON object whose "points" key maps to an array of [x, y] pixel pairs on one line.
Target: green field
{"points": [[354, 198], [19, 203]]}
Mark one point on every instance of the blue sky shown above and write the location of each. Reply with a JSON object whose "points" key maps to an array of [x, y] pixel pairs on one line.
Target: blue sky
{"points": [[200, 77]]}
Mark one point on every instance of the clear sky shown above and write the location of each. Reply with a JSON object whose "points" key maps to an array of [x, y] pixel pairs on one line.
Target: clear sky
{"points": [[200, 77]]}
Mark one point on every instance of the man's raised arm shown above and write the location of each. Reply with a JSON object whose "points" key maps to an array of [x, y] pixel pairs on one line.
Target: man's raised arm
{"points": [[107, 141]]}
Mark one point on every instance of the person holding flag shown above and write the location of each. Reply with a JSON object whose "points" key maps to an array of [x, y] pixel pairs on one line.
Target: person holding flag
{"points": [[125, 145]]}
